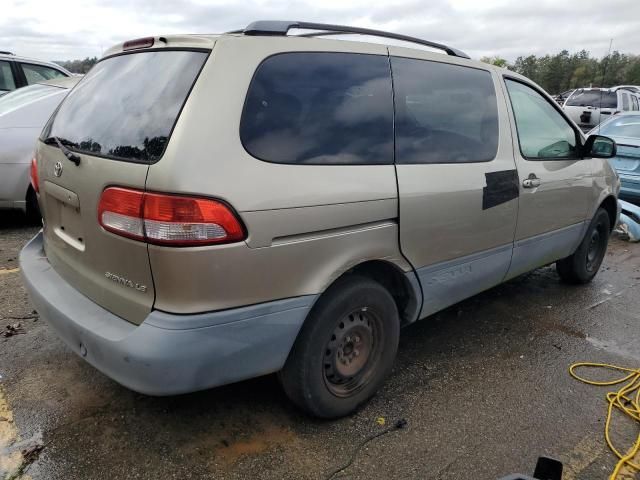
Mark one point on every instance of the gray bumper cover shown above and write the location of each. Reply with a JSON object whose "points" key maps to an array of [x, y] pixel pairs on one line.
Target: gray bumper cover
{"points": [[167, 354]]}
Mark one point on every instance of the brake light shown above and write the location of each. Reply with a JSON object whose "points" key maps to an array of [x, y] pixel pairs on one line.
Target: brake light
{"points": [[35, 182], [172, 220], [145, 42]]}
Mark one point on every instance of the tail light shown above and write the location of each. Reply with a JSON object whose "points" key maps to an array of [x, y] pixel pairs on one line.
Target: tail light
{"points": [[172, 220], [35, 181]]}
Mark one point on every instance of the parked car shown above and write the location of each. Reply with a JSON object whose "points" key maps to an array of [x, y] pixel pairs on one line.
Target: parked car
{"points": [[590, 106], [17, 72], [625, 130], [283, 206], [23, 113]]}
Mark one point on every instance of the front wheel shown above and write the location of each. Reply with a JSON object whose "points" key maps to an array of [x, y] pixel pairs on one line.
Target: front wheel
{"points": [[345, 349], [583, 265]]}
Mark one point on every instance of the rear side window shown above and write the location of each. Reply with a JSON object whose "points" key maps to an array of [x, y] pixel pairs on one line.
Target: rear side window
{"points": [[39, 73], [126, 106], [320, 108], [6, 77], [625, 102], [444, 113], [634, 102]]}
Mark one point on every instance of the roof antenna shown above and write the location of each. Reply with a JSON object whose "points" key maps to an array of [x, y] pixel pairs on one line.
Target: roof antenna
{"points": [[604, 75]]}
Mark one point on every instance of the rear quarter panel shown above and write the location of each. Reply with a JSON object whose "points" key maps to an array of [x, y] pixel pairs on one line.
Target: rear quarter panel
{"points": [[307, 224]]}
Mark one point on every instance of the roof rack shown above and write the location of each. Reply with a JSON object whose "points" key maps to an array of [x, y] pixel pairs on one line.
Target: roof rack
{"points": [[282, 27], [4, 52]]}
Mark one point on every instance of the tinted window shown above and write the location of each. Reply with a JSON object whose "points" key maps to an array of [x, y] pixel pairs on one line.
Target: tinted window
{"points": [[126, 106], [320, 108], [625, 101], [444, 113], [542, 130], [593, 98], [6, 77], [39, 73]]}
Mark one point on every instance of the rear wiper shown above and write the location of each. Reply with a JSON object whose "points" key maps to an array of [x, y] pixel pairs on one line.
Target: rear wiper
{"points": [[67, 153]]}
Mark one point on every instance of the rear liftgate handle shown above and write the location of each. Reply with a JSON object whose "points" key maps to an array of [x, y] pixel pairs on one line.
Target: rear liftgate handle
{"points": [[531, 182]]}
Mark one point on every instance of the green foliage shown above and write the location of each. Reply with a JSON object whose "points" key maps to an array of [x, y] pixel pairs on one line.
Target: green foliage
{"points": [[564, 71], [79, 66]]}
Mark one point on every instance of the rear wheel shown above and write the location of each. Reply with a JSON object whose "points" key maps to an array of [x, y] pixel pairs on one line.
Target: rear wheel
{"points": [[583, 265], [345, 349]]}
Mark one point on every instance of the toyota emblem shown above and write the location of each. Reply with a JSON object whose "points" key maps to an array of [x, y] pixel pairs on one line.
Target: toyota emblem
{"points": [[57, 169]]}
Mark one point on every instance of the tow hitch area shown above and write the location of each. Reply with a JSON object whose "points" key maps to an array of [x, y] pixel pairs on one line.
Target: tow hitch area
{"points": [[546, 469]]}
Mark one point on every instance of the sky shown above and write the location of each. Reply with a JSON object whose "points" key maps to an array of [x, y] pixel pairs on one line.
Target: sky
{"points": [[75, 29]]}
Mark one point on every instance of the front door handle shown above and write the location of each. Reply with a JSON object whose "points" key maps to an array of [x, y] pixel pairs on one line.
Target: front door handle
{"points": [[531, 182]]}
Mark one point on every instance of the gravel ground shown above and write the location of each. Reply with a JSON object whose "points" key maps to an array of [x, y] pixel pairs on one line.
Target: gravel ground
{"points": [[483, 386]]}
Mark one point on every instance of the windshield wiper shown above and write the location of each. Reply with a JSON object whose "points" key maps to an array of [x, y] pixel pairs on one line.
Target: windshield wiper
{"points": [[67, 153]]}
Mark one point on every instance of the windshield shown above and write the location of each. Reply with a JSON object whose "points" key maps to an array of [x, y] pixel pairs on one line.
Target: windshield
{"points": [[625, 126], [126, 106], [593, 98], [22, 96]]}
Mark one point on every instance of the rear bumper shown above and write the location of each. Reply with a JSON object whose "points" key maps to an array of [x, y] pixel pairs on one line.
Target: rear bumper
{"points": [[167, 354]]}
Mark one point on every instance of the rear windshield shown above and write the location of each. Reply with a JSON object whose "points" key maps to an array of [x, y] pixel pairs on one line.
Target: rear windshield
{"points": [[126, 106], [23, 96], [593, 98]]}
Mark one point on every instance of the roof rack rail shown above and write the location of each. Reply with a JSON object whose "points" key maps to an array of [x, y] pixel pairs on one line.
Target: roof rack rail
{"points": [[282, 27], [4, 52]]}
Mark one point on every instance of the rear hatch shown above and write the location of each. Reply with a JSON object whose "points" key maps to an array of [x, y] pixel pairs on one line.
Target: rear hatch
{"points": [[588, 107], [116, 122]]}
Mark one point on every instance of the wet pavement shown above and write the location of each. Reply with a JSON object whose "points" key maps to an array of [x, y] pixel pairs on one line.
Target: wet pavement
{"points": [[483, 386]]}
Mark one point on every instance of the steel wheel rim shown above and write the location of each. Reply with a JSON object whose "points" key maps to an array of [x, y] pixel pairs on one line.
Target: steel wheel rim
{"points": [[352, 352], [596, 244]]}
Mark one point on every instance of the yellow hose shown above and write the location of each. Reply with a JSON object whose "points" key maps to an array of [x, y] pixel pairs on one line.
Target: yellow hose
{"points": [[626, 399]]}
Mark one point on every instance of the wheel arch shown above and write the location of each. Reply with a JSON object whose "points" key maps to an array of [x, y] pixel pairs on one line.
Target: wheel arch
{"points": [[610, 205], [404, 287]]}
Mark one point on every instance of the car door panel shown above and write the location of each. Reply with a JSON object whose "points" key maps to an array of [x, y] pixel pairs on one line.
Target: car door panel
{"points": [[457, 220], [553, 204]]}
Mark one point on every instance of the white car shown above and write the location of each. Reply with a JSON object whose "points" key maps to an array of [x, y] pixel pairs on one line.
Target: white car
{"points": [[590, 106], [17, 72], [23, 114]]}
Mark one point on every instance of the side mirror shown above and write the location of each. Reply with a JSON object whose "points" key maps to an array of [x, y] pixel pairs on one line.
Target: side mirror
{"points": [[598, 146]]}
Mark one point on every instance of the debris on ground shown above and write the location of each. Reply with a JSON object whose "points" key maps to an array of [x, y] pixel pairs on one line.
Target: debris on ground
{"points": [[11, 330], [629, 224]]}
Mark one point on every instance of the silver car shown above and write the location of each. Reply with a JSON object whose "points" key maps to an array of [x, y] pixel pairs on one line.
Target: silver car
{"points": [[23, 113], [218, 207]]}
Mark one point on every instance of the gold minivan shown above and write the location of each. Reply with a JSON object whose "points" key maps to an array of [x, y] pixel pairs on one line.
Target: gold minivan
{"points": [[219, 207]]}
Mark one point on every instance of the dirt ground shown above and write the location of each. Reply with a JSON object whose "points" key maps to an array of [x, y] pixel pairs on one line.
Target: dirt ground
{"points": [[483, 386]]}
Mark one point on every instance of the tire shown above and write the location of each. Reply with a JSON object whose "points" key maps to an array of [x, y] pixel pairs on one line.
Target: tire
{"points": [[585, 262], [345, 349], [33, 209]]}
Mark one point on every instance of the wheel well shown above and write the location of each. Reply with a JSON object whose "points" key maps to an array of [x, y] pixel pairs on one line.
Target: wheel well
{"points": [[396, 282], [611, 206]]}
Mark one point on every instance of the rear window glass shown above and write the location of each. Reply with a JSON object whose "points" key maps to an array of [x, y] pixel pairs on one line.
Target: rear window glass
{"points": [[593, 98], [444, 113], [25, 95], [320, 108], [126, 106]]}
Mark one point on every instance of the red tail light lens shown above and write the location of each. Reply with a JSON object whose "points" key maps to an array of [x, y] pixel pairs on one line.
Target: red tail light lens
{"points": [[35, 181], [172, 220]]}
